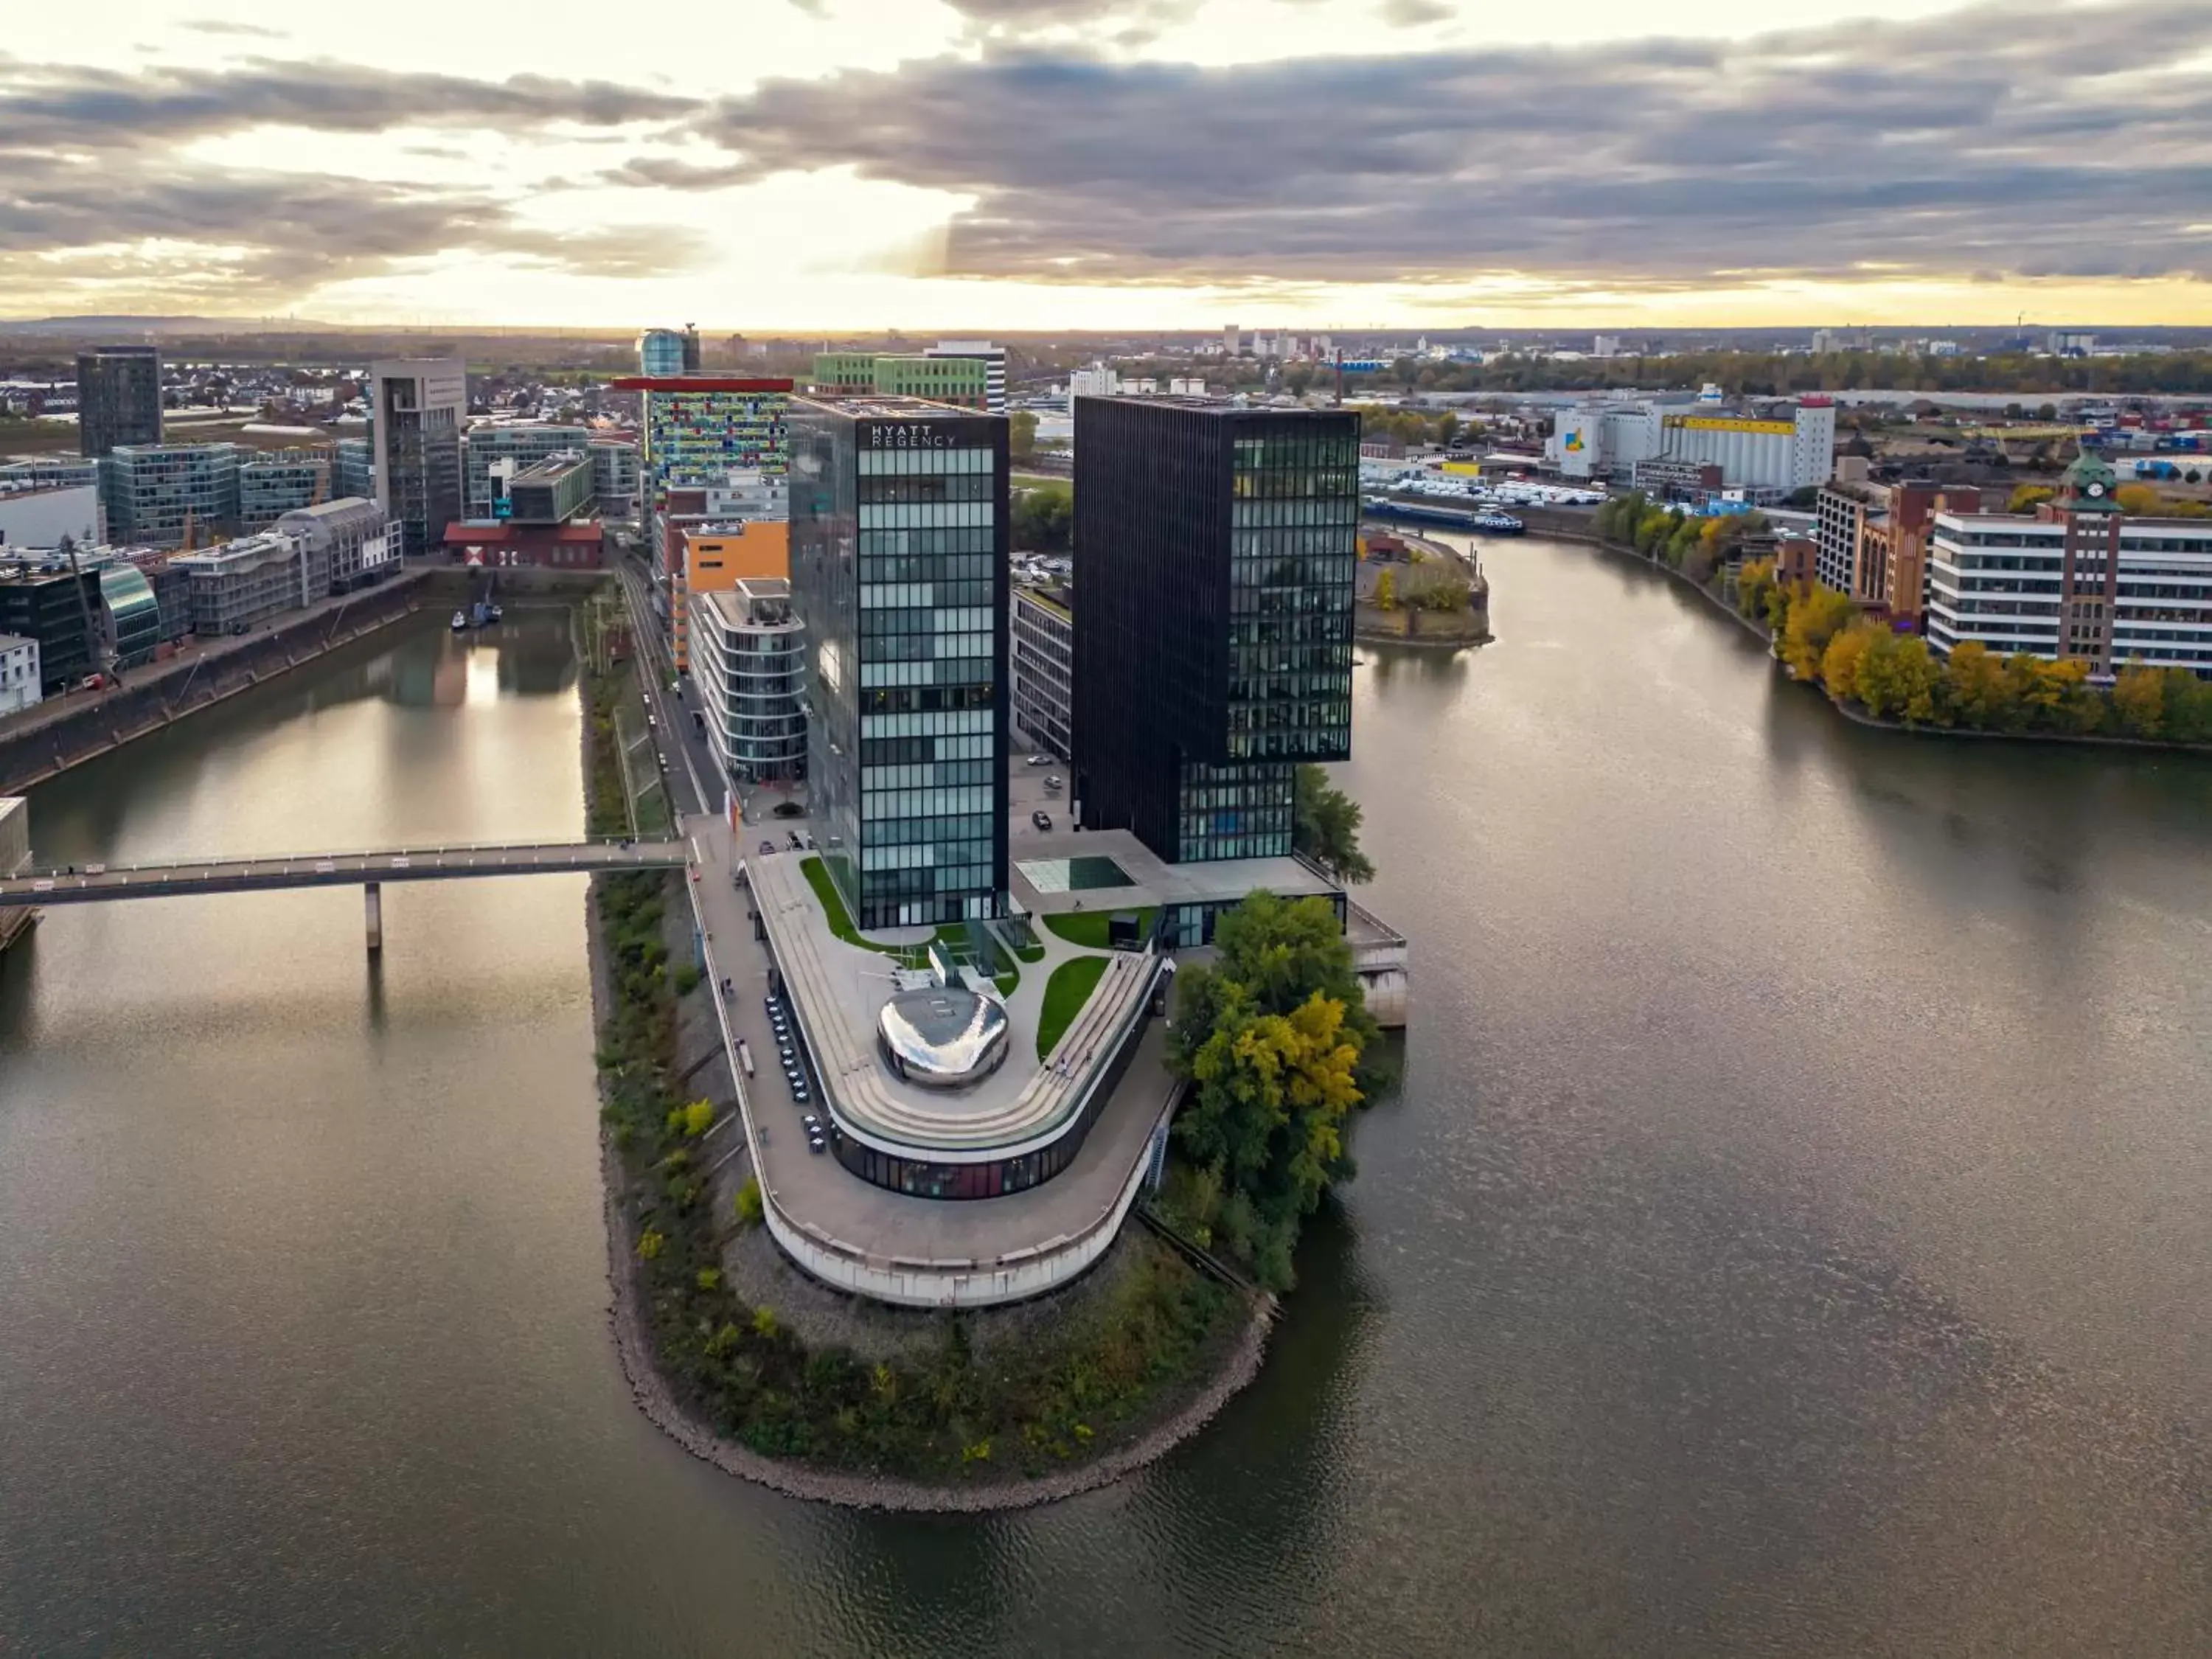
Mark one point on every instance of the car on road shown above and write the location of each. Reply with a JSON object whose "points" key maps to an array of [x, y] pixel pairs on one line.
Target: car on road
{"points": [[1053, 782], [767, 847], [1041, 818], [1040, 760]]}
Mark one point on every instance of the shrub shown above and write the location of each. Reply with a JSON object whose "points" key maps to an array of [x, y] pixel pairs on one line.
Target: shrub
{"points": [[686, 980], [750, 1207]]}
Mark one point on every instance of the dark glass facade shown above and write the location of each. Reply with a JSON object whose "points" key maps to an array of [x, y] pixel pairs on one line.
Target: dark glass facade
{"points": [[51, 606], [898, 570], [1215, 549], [119, 397], [420, 408]]}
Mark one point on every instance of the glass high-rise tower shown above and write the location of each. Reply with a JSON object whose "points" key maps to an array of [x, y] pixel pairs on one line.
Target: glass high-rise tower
{"points": [[119, 397], [898, 569], [1215, 550], [421, 406]]}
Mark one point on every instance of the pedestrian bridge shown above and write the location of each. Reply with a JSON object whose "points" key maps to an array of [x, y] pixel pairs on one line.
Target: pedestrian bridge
{"points": [[92, 884]]}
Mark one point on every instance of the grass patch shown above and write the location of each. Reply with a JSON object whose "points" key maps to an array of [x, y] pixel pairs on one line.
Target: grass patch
{"points": [[1065, 993], [841, 920], [1088, 927]]}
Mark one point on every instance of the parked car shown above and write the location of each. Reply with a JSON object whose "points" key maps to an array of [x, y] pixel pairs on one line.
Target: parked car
{"points": [[1041, 818], [1040, 760], [1053, 782], [767, 846], [816, 1144]]}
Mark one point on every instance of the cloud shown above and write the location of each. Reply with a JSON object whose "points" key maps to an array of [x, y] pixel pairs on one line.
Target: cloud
{"points": [[97, 165], [2010, 137], [93, 109], [1413, 14], [218, 26]]}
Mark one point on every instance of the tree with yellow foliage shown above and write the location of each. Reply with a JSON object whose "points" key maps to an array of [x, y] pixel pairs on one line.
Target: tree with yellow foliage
{"points": [[1270, 1037], [1817, 615]]}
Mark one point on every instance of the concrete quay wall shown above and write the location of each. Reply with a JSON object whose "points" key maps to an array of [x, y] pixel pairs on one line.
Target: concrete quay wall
{"points": [[80, 726]]}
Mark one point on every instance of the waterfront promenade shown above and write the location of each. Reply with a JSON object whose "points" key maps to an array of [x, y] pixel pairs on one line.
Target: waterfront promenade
{"points": [[883, 1244]]}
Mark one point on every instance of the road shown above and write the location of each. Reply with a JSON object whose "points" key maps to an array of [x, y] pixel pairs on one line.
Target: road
{"points": [[688, 765], [98, 882]]}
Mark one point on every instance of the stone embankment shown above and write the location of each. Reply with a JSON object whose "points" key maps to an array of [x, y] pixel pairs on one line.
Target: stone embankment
{"points": [[77, 726]]}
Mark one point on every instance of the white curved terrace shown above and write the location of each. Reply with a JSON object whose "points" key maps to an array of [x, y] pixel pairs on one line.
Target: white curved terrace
{"points": [[839, 987]]}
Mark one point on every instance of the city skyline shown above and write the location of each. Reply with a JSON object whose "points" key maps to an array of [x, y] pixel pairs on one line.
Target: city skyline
{"points": [[1116, 164]]}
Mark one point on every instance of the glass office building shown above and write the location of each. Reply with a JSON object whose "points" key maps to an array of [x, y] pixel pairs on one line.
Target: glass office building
{"points": [[159, 494], [421, 403], [522, 443], [119, 398], [278, 482], [1215, 550], [898, 570], [750, 661]]}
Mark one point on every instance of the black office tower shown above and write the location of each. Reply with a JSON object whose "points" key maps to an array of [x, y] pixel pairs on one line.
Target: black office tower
{"points": [[898, 569], [119, 397], [1215, 549]]}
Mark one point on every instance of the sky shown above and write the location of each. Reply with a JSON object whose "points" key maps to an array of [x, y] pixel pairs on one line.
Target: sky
{"points": [[816, 167]]}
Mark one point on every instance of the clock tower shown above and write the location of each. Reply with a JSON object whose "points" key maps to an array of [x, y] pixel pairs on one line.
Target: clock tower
{"points": [[2089, 573]]}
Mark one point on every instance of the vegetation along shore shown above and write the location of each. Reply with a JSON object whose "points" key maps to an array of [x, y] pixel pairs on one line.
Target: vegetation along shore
{"points": [[1880, 676], [846, 1402]]}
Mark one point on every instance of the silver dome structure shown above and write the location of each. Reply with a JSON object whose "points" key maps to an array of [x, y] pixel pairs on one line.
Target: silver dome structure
{"points": [[943, 1036]]}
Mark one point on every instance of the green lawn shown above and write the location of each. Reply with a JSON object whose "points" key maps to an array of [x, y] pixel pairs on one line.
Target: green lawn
{"points": [[840, 922], [1088, 927], [1065, 993]]}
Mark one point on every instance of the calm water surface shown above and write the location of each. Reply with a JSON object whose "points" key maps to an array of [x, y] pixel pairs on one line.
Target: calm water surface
{"points": [[1792, 1237]]}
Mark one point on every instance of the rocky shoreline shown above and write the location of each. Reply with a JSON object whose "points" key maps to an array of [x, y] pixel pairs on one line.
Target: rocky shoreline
{"points": [[650, 1390]]}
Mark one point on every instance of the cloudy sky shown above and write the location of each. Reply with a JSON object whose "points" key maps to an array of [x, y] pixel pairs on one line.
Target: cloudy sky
{"points": [[821, 165]]}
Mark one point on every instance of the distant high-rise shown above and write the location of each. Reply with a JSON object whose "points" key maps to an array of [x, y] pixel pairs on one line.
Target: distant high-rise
{"points": [[1214, 559], [992, 357], [119, 397], [420, 406], [715, 448], [666, 351], [898, 571]]}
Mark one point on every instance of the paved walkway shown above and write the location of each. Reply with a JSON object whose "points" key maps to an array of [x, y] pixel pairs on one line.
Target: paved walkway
{"points": [[820, 1195]]}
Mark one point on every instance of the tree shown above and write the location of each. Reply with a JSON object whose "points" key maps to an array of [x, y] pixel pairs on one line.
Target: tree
{"points": [[1325, 824], [1265, 1112], [2139, 701], [1446, 427], [1840, 663], [1816, 615], [1897, 678], [2139, 499], [1752, 584], [1044, 518], [1386, 589], [1980, 694], [1021, 435], [2026, 497]]}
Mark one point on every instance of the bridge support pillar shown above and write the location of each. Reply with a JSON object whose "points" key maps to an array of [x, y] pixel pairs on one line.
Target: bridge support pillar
{"points": [[372, 895]]}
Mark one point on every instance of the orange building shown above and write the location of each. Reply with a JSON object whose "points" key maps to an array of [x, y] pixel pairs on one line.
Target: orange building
{"points": [[716, 557]]}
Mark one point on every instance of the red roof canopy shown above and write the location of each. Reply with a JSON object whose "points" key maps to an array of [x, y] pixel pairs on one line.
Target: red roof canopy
{"points": [[695, 383]]}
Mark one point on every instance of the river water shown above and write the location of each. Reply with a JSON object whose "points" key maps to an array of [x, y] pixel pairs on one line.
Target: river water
{"points": [[1792, 1235]]}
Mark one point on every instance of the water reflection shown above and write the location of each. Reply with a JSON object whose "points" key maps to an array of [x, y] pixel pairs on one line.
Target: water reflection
{"points": [[1791, 1236]]}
